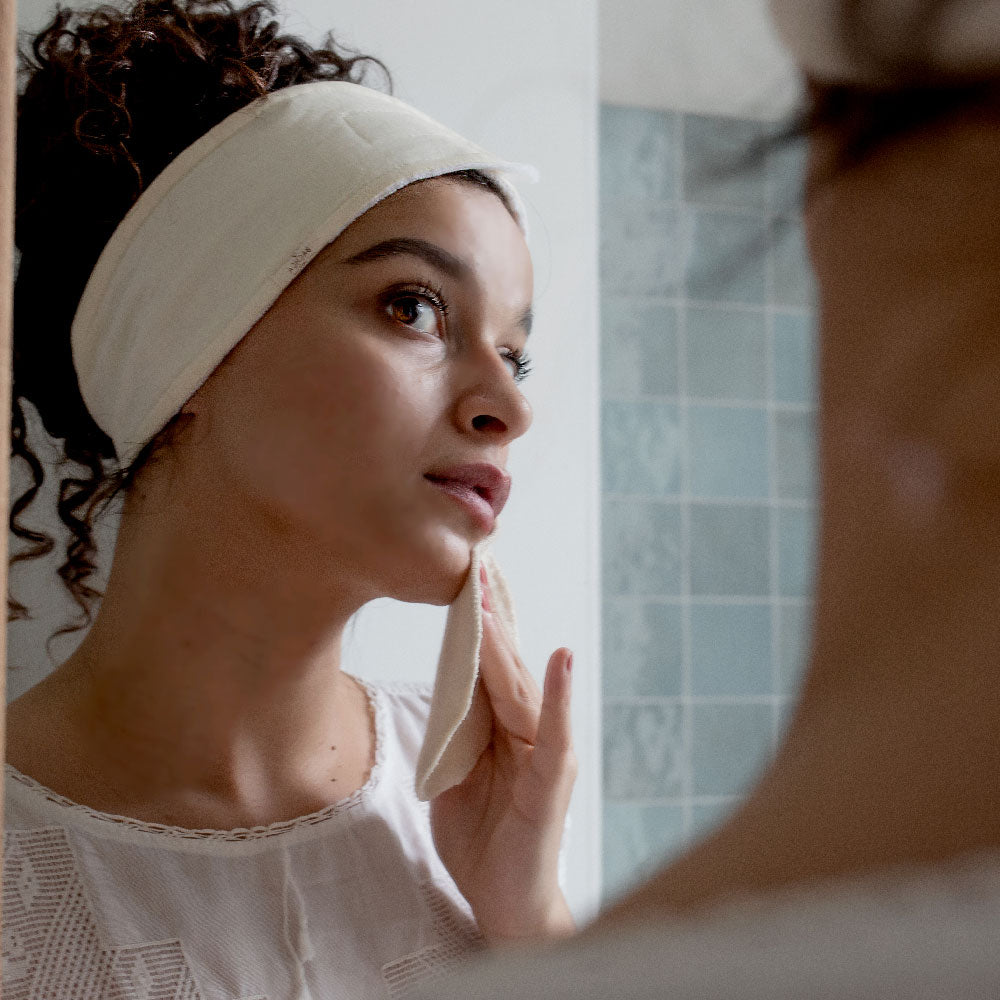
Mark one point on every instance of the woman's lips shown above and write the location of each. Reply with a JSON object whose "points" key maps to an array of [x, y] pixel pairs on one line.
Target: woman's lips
{"points": [[482, 489]]}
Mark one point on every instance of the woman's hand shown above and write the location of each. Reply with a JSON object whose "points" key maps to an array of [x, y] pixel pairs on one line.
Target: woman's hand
{"points": [[499, 831]]}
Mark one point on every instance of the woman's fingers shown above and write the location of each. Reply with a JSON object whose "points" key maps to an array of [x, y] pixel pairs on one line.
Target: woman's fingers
{"points": [[553, 756], [540, 719], [513, 692], [554, 731]]}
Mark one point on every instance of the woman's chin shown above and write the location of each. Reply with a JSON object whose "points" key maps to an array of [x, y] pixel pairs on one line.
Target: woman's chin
{"points": [[438, 577]]}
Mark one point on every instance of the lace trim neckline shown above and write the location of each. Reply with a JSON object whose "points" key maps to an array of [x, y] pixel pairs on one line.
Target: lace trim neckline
{"points": [[238, 834]]}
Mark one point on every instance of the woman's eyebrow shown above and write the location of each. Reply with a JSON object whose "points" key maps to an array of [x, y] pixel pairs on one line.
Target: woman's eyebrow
{"points": [[454, 267], [526, 320], [434, 255]]}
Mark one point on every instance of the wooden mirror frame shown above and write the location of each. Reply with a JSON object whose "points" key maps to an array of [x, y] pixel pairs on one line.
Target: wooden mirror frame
{"points": [[8, 34]]}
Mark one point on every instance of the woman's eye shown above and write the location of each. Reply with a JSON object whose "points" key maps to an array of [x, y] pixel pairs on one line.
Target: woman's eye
{"points": [[414, 312]]}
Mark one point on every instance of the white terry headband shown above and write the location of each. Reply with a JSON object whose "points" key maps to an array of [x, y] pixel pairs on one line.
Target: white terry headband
{"points": [[227, 226], [962, 36]]}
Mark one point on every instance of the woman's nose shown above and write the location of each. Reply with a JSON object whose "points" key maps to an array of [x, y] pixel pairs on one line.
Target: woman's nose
{"points": [[492, 405]]}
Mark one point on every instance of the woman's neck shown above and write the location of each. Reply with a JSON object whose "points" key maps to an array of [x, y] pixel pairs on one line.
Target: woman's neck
{"points": [[208, 689]]}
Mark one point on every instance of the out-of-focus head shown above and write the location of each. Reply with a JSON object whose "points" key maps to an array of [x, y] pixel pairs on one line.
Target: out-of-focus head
{"points": [[879, 69], [901, 207], [891, 43]]}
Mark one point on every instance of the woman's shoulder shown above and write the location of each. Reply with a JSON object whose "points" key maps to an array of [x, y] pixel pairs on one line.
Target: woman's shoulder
{"points": [[918, 933], [401, 710], [402, 696], [16, 802]]}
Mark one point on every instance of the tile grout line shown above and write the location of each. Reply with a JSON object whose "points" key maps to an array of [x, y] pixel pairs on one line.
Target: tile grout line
{"points": [[699, 699], [678, 801], [720, 402], [790, 503], [712, 600], [687, 682], [718, 305], [773, 469]]}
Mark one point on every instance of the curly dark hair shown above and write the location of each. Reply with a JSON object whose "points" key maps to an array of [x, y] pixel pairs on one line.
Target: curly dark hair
{"points": [[109, 96]]}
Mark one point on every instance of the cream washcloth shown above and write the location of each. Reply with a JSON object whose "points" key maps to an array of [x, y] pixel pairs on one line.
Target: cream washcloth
{"points": [[962, 37], [460, 724]]}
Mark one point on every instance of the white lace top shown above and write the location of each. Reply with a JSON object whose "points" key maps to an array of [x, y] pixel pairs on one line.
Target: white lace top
{"points": [[350, 902]]}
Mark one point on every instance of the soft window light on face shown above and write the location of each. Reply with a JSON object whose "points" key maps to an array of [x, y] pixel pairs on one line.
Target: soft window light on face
{"points": [[397, 352]]}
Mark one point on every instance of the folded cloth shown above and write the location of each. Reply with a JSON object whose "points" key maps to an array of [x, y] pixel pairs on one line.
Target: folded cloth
{"points": [[460, 724], [879, 42]]}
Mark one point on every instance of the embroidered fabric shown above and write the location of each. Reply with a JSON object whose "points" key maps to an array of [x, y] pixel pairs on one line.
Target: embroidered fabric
{"points": [[351, 901], [51, 941], [433, 963]]}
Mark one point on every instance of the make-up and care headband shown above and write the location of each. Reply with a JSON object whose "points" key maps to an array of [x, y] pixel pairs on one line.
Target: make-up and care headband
{"points": [[208, 248]]}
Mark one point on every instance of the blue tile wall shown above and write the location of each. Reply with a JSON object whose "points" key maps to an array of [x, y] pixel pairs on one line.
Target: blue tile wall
{"points": [[640, 252], [731, 650], [730, 550], [725, 262], [726, 355], [640, 444], [729, 743], [793, 638], [795, 545], [709, 470], [642, 648], [794, 340], [793, 285], [636, 839], [727, 451], [639, 348], [795, 452], [708, 813], [643, 750], [640, 155], [641, 547], [718, 164]]}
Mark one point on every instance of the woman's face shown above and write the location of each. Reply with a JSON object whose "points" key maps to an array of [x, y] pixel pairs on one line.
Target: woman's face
{"points": [[365, 421]]}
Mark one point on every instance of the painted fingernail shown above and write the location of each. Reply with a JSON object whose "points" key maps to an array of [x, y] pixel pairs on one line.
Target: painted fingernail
{"points": [[569, 663]]}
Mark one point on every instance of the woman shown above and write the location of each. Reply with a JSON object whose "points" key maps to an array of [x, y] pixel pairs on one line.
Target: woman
{"points": [[866, 861], [297, 324]]}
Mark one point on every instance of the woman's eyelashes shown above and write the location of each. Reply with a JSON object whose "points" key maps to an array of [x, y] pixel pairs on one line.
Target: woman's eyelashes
{"points": [[423, 309], [520, 363]]}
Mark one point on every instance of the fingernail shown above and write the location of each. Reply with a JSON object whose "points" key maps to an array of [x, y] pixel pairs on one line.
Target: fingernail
{"points": [[569, 663], [485, 589]]}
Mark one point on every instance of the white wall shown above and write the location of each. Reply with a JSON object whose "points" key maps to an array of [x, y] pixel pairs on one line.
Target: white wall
{"points": [[520, 78], [712, 57]]}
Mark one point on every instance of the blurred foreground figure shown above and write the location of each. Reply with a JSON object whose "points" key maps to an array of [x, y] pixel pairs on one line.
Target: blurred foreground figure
{"points": [[866, 862]]}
